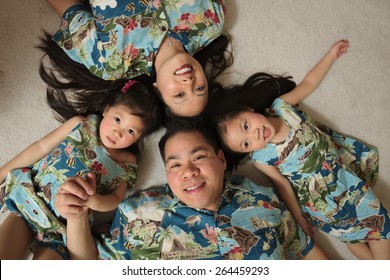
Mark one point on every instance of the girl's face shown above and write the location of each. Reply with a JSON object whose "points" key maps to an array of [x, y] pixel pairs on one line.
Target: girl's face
{"points": [[119, 128], [247, 132], [182, 84]]}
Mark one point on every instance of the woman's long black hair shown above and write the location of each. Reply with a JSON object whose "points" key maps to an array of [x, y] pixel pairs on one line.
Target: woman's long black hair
{"points": [[63, 74], [258, 92]]}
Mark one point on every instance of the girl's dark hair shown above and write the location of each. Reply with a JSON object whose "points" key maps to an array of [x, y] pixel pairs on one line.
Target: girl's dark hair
{"points": [[73, 90], [258, 92]]}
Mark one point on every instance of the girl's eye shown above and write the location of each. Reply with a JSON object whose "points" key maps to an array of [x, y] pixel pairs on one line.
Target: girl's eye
{"points": [[117, 120], [131, 131], [246, 125], [200, 88], [175, 165], [179, 95]]}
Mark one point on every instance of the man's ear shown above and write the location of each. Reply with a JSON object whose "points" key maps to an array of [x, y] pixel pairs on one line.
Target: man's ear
{"points": [[221, 157], [155, 85]]}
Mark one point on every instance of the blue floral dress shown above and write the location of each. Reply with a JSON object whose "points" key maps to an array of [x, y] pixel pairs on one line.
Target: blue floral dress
{"points": [[30, 192], [120, 39], [331, 175]]}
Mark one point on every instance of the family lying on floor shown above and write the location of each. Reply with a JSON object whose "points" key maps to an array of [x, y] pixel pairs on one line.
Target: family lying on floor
{"points": [[121, 70]]}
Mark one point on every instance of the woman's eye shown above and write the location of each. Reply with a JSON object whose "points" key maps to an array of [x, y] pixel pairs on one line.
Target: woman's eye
{"points": [[200, 88], [179, 95], [175, 165], [131, 131], [246, 125], [117, 120], [246, 144]]}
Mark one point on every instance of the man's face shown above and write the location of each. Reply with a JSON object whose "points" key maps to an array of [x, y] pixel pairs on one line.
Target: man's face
{"points": [[195, 172]]}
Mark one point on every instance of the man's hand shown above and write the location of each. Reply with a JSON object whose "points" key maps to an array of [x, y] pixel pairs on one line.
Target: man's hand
{"points": [[72, 196]]}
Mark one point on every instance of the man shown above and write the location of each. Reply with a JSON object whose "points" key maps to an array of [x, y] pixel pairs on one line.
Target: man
{"points": [[199, 215]]}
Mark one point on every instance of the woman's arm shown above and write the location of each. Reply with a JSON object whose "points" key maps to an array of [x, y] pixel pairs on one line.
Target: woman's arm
{"points": [[60, 6], [287, 195], [313, 79], [108, 202], [40, 148]]}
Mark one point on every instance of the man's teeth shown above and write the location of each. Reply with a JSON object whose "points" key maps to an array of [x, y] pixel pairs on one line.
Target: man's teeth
{"points": [[184, 70], [193, 188]]}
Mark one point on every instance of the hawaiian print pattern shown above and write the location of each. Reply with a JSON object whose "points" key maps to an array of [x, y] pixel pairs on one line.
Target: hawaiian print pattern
{"points": [[30, 191], [120, 39], [332, 176], [247, 225]]}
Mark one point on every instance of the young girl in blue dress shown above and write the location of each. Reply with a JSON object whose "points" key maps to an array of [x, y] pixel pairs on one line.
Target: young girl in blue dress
{"points": [[114, 39], [324, 178], [99, 137]]}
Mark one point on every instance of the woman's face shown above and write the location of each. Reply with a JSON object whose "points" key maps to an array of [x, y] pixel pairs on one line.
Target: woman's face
{"points": [[182, 84]]}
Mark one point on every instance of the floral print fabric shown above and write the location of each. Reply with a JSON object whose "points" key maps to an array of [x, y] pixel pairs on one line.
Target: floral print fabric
{"points": [[247, 225], [120, 39], [30, 192], [331, 175]]}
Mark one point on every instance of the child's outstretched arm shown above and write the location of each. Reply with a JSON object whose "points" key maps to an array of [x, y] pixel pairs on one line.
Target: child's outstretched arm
{"points": [[60, 6], [108, 202], [313, 79], [40, 148], [287, 195]]}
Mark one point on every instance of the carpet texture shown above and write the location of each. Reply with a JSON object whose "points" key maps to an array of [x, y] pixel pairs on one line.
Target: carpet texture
{"points": [[282, 37]]}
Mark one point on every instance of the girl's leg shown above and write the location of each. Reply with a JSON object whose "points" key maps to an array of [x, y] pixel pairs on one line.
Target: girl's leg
{"points": [[380, 249], [361, 251], [44, 253], [15, 237], [316, 254]]}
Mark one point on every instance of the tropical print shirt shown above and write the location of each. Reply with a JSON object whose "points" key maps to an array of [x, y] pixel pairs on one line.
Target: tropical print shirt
{"points": [[247, 225], [120, 39]]}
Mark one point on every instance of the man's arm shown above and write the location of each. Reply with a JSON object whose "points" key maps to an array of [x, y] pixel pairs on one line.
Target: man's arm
{"points": [[70, 203]]}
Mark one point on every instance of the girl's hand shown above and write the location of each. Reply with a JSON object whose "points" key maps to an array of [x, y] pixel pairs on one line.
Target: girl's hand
{"points": [[339, 48], [307, 228]]}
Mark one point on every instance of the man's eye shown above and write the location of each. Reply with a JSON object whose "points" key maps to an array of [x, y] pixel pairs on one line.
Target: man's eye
{"points": [[117, 120], [246, 126], [198, 157], [179, 95], [131, 131], [246, 144]]}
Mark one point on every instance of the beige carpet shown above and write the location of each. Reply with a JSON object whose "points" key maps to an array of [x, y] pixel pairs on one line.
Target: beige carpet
{"points": [[269, 35]]}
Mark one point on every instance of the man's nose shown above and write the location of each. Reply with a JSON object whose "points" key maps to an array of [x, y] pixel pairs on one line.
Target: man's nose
{"points": [[190, 171]]}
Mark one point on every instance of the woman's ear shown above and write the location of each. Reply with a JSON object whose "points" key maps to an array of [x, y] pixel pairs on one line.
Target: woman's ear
{"points": [[155, 85]]}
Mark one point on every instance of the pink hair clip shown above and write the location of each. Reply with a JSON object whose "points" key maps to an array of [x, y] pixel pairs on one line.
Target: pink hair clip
{"points": [[128, 85]]}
